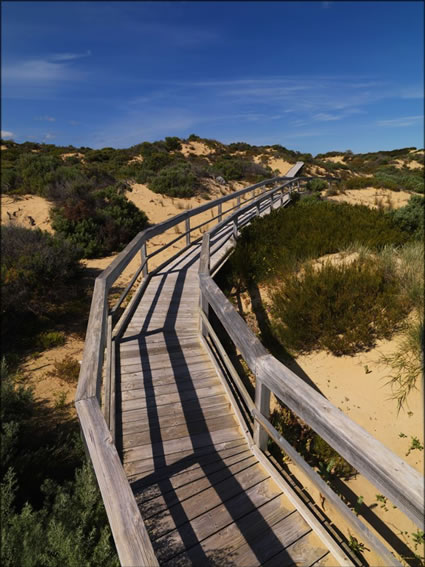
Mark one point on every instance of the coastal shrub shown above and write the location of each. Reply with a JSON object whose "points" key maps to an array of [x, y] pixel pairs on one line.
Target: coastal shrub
{"points": [[277, 242], [341, 308], [172, 143], [233, 169], [51, 512], [175, 181], [410, 218], [67, 369], [36, 267], [50, 339], [317, 185], [98, 222]]}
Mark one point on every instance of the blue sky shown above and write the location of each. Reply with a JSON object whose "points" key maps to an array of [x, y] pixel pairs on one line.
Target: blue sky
{"points": [[312, 76]]}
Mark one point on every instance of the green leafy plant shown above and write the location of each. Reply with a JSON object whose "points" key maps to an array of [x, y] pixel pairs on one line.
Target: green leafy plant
{"points": [[415, 444]]}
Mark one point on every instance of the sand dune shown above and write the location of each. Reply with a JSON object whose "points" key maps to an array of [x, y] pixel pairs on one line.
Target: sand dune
{"points": [[30, 211]]}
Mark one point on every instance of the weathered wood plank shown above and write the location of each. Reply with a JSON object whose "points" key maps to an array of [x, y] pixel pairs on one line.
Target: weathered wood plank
{"points": [[173, 408], [216, 519], [183, 444], [235, 535], [301, 553], [155, 487], [91, 366], [137, 439], [166, 399], [143, 468], [135, 381], [200, 483], [132, 541], [188, 509]]}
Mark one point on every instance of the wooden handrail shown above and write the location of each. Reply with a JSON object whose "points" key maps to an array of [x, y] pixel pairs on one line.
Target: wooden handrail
{"points": [[394, 478], [131, 538]]}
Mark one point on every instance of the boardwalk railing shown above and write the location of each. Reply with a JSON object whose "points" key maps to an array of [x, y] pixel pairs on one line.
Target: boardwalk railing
{"points": [[95, 397], [392, 476]]}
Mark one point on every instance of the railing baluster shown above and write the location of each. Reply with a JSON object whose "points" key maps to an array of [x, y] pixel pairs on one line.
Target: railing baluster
{"points": [[220, 212], [144, 260], [107, 390], [262, 404], [187, 226]]}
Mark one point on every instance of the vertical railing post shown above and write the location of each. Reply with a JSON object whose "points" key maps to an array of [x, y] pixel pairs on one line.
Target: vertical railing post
{"points": [[262, 404], [108, 373], [238, 201], [220, 212], [204, 268], [235, 226], [281, 197], [187, 227], [144, 260]]}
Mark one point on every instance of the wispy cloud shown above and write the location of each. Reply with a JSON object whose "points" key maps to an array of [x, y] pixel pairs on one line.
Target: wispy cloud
{"points": [[5, 134], [401, 122], [68, 56], [49, 136], [36, 71], [45, 118]]}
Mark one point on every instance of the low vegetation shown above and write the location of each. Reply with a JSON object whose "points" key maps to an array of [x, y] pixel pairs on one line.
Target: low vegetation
{"points": [[51, 512], [98, 222], [37, 275], [279, 242], [341, 308]]}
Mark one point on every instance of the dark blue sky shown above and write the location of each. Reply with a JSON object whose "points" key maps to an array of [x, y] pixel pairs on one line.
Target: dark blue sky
{"points": [[312, 76]]}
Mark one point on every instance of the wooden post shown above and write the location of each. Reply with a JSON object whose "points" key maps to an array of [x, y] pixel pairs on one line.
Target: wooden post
{"points": [[220, 212], [145, 267], [235, 227], [108, 373], [257, 206], [204, 268], [262, 404], [187, 226]]}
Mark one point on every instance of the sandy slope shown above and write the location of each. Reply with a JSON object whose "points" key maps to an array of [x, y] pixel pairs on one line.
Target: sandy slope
{"points": [[372, 197], [336, 159], [274, 163], [30, 211], [195, 148]]}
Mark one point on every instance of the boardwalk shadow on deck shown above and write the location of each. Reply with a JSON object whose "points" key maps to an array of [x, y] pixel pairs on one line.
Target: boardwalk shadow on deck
{"points": [[166, 546]]}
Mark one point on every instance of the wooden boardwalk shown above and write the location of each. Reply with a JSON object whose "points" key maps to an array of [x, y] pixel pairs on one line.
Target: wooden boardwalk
{"points": [[204, 497]]}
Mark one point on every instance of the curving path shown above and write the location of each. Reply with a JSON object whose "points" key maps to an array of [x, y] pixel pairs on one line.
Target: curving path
{"points": [[204, 497]]}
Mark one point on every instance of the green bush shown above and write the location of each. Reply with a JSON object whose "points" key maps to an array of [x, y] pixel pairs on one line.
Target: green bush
{"points": [[343, 308], [175, 181], [271, 245], [46, 522], [410, 218], [36, 268], [172, 143], [69, 529], [233, 169], [317, 185], [98, 222]]}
